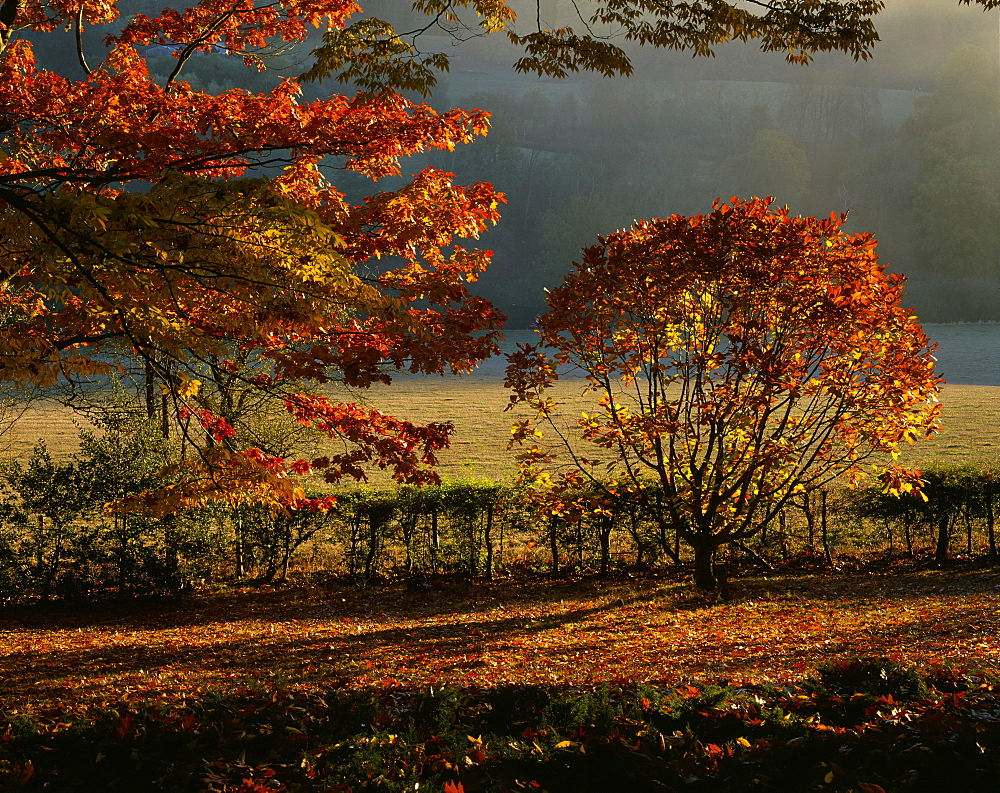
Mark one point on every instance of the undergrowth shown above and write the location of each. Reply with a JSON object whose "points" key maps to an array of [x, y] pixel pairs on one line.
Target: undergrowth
{"points": [[863, 725]]}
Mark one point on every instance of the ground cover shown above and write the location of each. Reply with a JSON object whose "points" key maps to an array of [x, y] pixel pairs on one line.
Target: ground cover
{"points": [[513, 686], [869, 726], [487, 634]]}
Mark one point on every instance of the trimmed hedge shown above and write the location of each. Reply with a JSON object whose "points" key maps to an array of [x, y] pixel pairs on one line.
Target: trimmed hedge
{"points": [[57, 542]]}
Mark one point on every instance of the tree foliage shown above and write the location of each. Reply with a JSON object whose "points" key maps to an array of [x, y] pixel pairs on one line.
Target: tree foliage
{"points": [[373, 53], [737, 358], [192, 229], [137, 210]]}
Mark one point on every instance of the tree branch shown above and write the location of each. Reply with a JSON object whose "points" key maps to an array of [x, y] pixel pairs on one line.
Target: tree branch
{"points": [[9, 9]]}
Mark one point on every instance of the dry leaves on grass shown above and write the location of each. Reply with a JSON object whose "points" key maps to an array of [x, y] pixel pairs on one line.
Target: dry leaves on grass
{"points": [[776, 630]]}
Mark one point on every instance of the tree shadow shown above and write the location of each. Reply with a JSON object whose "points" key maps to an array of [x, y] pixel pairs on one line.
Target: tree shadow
{"points": [[337, 600], [328, 656], [340, 637]]}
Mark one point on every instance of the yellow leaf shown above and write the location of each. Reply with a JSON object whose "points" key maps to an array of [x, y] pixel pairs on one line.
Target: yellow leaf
{"points": [[188, 388]]}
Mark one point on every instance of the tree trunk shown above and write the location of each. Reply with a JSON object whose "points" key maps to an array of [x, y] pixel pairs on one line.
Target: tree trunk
{"points": [[435, 540], [810, 521], [473, 548], [990, 531], [488, 541], [374, 541], [554, 546], [783, 534], [165, 416], [668, 543], [353, 554], [408, 526], [238, 537], [943, 537], [121, 525], [823, 529], [704, 565], [758, 558], [503, 525], [286, 551], [604, 526]]}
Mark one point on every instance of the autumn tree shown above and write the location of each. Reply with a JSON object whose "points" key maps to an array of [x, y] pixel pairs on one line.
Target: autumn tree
{"points": [[192, 228], [735, 358], [140, 211]]}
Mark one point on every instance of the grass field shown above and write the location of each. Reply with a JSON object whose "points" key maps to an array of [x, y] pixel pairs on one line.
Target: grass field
{"points": [[971, 419]]}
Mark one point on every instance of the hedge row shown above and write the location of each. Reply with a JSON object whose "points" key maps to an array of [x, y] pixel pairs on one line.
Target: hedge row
{"points": [[57, 541]]}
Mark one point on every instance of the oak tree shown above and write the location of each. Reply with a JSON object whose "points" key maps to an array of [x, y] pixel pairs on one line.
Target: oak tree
{"points": [[735, 358]]}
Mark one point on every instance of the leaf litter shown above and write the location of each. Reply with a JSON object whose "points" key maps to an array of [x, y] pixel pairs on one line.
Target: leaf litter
{"points": [[581, 632]]}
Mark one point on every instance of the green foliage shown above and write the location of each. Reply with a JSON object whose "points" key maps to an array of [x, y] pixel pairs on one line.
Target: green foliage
{"points": [[371, 55], [609, 737], [771, 165], [58, 540], [953, 496], [872, 677]]}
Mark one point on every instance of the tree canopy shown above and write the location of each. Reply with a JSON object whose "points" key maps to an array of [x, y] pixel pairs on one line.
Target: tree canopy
{"points": [[736, 359], [183, 227]]}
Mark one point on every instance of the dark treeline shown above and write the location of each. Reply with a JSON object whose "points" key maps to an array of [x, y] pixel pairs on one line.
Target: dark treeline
{"points": [[915, 167]]}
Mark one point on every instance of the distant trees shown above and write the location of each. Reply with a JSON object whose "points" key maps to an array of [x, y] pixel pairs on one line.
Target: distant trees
{"points": [[821, 142], [771, 165], [736, 359], [953, 134]]}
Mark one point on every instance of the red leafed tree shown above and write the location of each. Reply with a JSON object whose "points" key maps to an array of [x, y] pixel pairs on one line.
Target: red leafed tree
{"points": [[132, 219], [736, 358]]}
